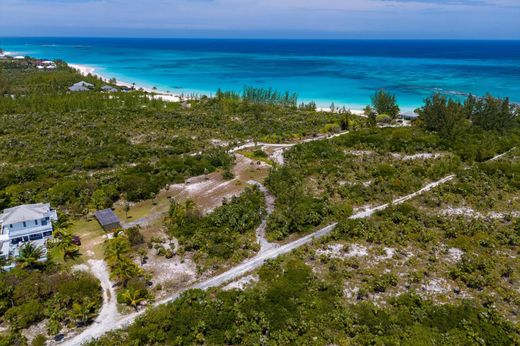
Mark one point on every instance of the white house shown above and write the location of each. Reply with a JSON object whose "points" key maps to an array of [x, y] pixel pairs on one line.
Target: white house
{"points": [[25, 223], [81, 86]]}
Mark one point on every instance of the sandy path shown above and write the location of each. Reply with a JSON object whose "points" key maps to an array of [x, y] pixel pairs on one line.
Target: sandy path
{"points": [[260, 231], [96, 330], [251, 144], [109, 318], [108, 315]]}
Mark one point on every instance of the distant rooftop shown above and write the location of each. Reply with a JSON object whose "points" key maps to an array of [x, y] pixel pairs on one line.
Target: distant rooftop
{"points": [[108, 88]]}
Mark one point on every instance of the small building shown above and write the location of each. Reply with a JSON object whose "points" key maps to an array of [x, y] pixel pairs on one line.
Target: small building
{"points": [[108, 88], [107, 219], [81, 86], [25, 223], [409, 115]]}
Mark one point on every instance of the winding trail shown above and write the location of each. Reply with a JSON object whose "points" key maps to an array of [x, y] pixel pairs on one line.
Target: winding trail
{"points": [[251, 144], [109, 318], [260, 231], [108, 313], [112, 322]]}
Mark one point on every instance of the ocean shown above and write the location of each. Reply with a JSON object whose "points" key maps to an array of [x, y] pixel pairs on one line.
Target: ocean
{"points": [[346, 72]]}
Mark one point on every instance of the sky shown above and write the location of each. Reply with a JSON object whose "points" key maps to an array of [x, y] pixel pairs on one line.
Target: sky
{"points": [[398, 19]]}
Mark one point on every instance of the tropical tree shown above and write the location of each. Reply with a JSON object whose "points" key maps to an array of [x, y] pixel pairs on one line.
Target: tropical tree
{"points": [[133, 297], [490, 113], [124, 270], [385, 103], [345, 121], [83, 312], [71, 252], [442, 115], [29, 256], [116, 249]]}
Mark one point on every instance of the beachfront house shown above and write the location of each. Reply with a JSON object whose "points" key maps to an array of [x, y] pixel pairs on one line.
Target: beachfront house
{"points": [[25, 223], [108, 88], [81, 86], [49, 65], [409, 115]]}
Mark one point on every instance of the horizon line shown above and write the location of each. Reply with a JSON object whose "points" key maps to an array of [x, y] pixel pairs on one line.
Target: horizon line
{"points": [[262, 38]]}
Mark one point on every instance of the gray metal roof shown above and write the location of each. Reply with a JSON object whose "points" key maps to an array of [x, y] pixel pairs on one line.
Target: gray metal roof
{"points": [[78, 88], [81, 86], [106, 217], [25, 212], [108, 88]]}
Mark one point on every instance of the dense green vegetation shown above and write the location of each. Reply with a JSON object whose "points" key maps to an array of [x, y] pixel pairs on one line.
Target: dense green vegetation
{"points": [[225, 234], [326, 178], [85, 150], [291, 306], [66, 299], [488, 187], [451, 118], [124, 271]]}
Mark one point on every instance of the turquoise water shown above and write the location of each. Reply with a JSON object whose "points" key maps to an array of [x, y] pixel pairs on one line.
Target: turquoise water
{"points": [[346, 72]]}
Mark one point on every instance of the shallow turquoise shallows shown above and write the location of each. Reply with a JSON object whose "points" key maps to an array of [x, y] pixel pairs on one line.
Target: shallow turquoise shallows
{"points": [[346, 72]]}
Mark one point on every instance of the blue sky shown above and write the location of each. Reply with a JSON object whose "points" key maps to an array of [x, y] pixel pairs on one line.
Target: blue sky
{"points": [[434, 19]]}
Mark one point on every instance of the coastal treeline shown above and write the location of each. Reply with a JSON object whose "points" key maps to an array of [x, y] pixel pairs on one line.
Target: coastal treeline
{"points": [[86, 150], [451, 118], [265, 96]]}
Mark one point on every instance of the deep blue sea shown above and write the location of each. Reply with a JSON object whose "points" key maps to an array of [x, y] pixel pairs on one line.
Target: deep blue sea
{"points": [[344, 71]]}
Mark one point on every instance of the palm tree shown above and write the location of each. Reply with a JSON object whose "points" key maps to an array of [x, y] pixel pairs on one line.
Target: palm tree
{"points": [[71, 251], [133, 297], [83, 312], [30, 255], [116, 249], [124, 270]]}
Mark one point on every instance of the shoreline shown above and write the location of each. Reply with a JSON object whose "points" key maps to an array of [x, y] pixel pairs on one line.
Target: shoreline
{"points": [[85, 70], [170, 97]]}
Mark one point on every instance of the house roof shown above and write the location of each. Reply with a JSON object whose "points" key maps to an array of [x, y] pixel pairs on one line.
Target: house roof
{"points": [[106, 217], [108, 88], [25, 212], [78, 88], [85, 84]]}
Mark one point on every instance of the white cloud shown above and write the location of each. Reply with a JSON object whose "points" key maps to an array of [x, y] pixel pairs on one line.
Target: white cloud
{"points": [[348, 18]]}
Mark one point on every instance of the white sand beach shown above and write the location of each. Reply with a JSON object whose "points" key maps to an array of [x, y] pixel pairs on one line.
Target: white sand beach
{"points": [[86, 70], [165, 96]]}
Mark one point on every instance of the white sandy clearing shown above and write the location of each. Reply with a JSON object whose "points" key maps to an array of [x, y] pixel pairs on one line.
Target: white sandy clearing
{"points": [[354, 250], [350, 293], [436, 286], [359, 152], [277, 156], [170, 270], [454, 254], [418, 156], [338, 251], [241, 283], [470, 212]]}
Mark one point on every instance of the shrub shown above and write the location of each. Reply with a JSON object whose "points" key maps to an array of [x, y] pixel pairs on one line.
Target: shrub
{"points": [[24, 315], [134, 236]]}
